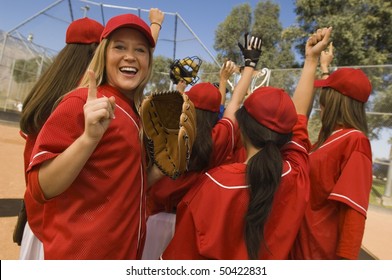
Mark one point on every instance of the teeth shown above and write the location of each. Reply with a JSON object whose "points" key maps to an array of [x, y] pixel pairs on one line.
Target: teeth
{"points": [[128, 69]]}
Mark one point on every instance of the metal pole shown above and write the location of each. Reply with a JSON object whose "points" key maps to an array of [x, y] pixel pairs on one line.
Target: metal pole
{"points": [[175, 37], [388, 186], [102, 14], [197, 38], [34, 16], [9, 85], [3, 48], [70, 10], [85, 10]]}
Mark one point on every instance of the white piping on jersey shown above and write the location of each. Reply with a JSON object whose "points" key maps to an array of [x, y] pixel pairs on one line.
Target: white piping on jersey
{"points": [[223, 186], [295, 143], [140, 208], [347, 198], [241, 187], [232, 132], [37, 155], [337, 138], [129, 116], [288, 171], [142, 183]]}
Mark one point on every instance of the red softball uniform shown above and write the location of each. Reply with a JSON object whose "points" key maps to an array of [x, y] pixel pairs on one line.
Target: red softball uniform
{"points": [[166, 193], [102, 213], [33, 208], [341, 180], [210, 218]]}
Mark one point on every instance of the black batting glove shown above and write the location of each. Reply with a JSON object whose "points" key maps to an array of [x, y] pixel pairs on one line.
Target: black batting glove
{"points": [[252, 50]]}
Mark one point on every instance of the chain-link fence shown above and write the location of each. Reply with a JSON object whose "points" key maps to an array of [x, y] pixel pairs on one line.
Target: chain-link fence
{"points": [[21, 64]]}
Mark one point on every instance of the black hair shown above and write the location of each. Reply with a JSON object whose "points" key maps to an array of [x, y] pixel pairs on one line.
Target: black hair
{"points": [[263, 175], [202, 147]]}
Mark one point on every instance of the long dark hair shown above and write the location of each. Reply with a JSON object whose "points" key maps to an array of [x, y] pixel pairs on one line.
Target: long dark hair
{"points": [[263, 175], [340, 110], [62, 76], [202, 147]]}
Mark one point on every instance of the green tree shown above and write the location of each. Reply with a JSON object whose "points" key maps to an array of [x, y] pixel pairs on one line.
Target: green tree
{"points": [[276, 52], [228, 33], [277, 48], [361, 28], [209, 72], [160, 79], [361, 36]]}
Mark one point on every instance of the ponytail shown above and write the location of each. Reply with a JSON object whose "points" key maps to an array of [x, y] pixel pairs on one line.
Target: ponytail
{"points": [[263, 175]]}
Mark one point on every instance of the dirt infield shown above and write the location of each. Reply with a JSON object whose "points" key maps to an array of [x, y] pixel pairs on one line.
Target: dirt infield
{"points": [[12, 186], [377, 241]]}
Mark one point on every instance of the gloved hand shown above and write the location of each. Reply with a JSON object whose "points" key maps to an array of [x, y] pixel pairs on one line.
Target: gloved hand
{"points": [[251, 51]]}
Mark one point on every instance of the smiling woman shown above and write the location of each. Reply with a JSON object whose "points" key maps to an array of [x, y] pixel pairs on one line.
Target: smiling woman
{"points": [[91, 145]]}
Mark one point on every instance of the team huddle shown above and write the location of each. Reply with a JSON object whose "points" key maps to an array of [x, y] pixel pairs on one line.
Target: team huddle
{"points": [[115, 174]]}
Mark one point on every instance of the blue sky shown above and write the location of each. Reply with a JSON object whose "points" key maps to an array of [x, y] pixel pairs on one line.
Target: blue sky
{"points": [[202, 17]]}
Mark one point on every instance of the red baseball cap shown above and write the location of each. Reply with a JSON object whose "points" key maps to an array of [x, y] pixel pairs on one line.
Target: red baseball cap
{"points": [[348, 81], [84, 31], [128, 20], [272, 108], [205, 96]]}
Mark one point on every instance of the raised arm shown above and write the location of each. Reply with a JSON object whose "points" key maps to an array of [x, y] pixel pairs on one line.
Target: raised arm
{"points": [[227, 69], [66, 167], [326, 58], [251, 53], [156, 18], [303, 94]]}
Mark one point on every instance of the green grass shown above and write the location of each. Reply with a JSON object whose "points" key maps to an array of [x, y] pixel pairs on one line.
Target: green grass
{"points": [[377, 192]]}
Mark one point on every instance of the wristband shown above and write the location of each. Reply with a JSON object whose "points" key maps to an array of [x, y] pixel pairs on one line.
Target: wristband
{"points": [[160, 26]]}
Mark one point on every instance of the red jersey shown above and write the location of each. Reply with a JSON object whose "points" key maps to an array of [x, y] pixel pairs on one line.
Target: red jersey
{"points": [[33, 208], [210, 218], [166, 193], [341, 178], [102, 213]]}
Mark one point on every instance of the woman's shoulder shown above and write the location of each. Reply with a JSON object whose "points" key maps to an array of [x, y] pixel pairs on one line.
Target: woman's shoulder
{"points": [[347, 135], [78, 93], [347, 140]]}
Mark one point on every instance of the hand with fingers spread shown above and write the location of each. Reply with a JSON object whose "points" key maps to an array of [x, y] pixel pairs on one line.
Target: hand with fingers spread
{"points": [[227, 69], [251, 51], [98, 112]]}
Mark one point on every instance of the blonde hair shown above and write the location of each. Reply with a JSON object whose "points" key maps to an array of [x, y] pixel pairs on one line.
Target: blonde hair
{"points": [[340, 110], [98, 65]]}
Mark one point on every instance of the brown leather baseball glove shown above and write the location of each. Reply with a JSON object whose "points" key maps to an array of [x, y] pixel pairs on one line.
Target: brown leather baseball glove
{"points": [[169, 123]]}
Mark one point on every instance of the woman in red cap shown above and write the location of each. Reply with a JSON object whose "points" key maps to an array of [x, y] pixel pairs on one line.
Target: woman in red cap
{"points": [[82, 38], [215, 140], [253, 210], [88, 165], [341, 169]]}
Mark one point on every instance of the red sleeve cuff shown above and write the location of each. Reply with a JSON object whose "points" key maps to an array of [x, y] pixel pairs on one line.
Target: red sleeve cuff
{"points": [[34, 186]]}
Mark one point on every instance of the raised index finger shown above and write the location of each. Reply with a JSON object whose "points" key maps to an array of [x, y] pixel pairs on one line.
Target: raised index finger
{"points": [[92, 85], [330, 48]]}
